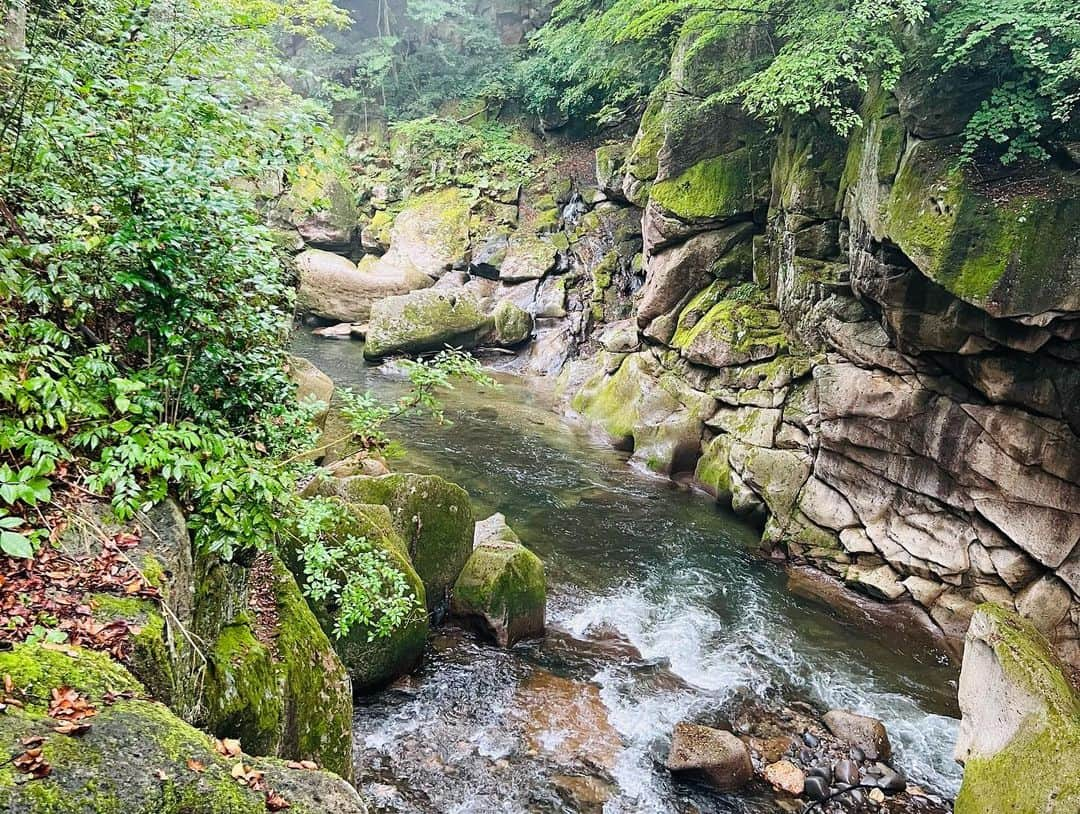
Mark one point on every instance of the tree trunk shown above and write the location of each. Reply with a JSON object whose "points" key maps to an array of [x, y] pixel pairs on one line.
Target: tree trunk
{"points": [[14, 33]]}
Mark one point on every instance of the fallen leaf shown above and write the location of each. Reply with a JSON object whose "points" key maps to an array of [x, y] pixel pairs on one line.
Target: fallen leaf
{"points": [[196, 765], [32, 762], [32, 740], [239, 772], [230, 747], [275, 802], [71, 728], [9, 685]]}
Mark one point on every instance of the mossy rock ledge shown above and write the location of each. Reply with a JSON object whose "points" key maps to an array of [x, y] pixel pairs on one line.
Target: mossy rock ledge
{"points": [[1019, 738], [502, 587], [137, 756]]}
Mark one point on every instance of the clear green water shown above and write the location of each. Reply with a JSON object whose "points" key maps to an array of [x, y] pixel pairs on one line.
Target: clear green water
{"points": [[631, 559]]}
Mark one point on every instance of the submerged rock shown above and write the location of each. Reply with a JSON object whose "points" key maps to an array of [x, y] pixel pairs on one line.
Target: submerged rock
{"points": [[1019, 736], [136, 755], [719, 756], [502, 585]]}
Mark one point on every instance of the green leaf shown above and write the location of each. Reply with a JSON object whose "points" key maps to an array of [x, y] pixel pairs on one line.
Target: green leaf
{"points": [[16, 545]]}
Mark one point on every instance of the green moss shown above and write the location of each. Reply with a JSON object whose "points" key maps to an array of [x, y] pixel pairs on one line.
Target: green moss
{"points": [[612, 401], [603, 273], [1003, 256], [718, 187], [641, 162], [433, 515], [503, 584], [713, 470], [243, 693], [151, 660], [1038, 771], [317, 691], [696, 309], [738, 330], [35, 671]]}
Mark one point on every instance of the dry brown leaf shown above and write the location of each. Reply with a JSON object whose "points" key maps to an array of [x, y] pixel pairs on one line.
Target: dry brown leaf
{"points": [[161, 774], [230, 747], [196, 765], [275, 802], [71, 728], [32, 740]]}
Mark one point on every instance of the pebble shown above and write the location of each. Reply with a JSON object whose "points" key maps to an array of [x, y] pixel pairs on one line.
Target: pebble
{"points": [[857, 754], [816, 788], [892, 781], [806, 755], [824, 772], [877, 795], [810, 739], [847, 771]]}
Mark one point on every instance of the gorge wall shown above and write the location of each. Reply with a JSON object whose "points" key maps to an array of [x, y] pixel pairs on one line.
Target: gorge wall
{"points": [[867, 348]]}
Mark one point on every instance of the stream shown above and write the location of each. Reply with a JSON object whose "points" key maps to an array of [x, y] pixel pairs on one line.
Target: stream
{"points": [[657, 612]]}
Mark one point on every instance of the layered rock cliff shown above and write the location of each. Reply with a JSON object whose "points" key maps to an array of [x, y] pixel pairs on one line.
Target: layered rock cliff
{"points": [[869, 347]]}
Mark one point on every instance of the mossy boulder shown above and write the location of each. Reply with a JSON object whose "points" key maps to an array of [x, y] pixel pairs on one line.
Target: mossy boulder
{"points": [[427, 320], [718, 187], [513, 325], [322, 207], [528, 257], [641, 159], [1009, 257], [502, 586], [374, 662], [429, 236], [271, 677], [137, 756], [739, 328], [643, 408], [1019, 737], [433, 517]]}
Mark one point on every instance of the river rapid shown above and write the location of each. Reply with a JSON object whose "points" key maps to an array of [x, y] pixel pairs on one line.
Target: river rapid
{"points": [[657, 612]]}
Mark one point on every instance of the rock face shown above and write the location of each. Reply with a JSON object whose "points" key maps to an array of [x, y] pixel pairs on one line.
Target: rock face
{"points": [[1019, 737], [137, 755], [867, 350], [502, 585], [719, 756]]}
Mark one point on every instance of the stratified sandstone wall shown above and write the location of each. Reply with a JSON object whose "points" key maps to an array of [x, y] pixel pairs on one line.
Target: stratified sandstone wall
{"points": [[871, 350]]}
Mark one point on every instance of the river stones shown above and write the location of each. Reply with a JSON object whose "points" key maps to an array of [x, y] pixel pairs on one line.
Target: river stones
{"points": [[502, 586], [719, 756], [860, 730], [785, 776]]}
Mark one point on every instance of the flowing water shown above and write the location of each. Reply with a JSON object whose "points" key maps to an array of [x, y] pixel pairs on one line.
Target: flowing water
{"points": [[656, 611]]}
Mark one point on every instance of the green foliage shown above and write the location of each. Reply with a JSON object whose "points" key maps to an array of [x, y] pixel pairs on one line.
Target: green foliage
{"points": [[360, 581], [444, 152], [143, 310], [406, 60], [1032, 49]]}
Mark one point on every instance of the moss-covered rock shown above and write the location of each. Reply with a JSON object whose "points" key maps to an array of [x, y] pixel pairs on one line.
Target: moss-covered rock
{"points": [[433, 516], [643, 408], [429, 236], [1009, 257], [1019, 737], [739, 328], [529, 256], [513, 325], [610, 168], [502, 586], [333, 287], [374, 662], [137, 755], [716, 188], [427, 320]]}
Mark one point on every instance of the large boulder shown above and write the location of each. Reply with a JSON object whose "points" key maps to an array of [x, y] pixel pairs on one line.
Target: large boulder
{"points": [[136, 754], [502, 585], [718, 756], [528, 257], [333, 287], [429, 236], [373, 661], [433, 516], [861, 731], [313, 387], [644, 408], [435, 318], [1019, 736]]}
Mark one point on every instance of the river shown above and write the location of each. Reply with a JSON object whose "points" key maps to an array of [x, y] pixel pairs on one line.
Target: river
{"points": [[657, 612]]}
